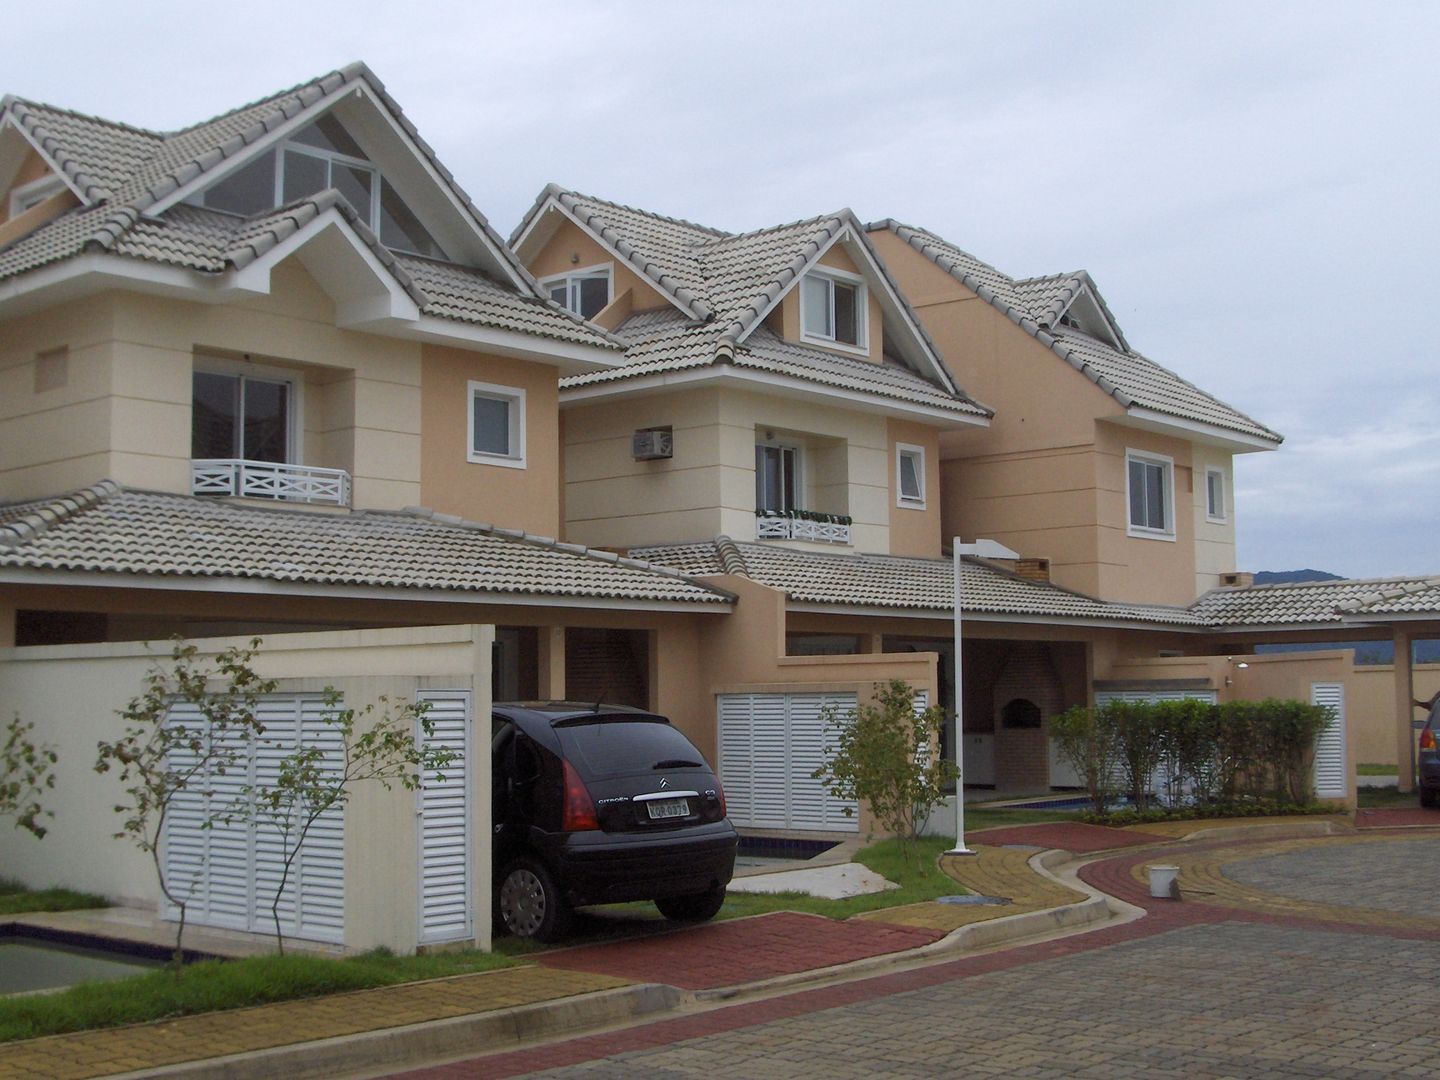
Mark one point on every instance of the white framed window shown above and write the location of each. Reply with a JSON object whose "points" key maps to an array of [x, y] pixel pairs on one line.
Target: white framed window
{"points": [[1150, 495], [496, 425], [25, 196], [586, 292], [832, 309], [1215, 494], [910, 476], [777, 477]]}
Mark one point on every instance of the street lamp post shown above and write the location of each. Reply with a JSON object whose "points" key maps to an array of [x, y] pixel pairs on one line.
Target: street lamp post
{"points": [[985, 549]]}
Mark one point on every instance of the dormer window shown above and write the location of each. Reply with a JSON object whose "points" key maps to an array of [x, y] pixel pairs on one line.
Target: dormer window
{"points": [[25, 196], [585, 292], [832, 308], [319, 156]]}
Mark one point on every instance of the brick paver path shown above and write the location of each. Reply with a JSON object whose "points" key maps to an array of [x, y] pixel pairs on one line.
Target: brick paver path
{"points": [[727, 953], [1228, 1000]]}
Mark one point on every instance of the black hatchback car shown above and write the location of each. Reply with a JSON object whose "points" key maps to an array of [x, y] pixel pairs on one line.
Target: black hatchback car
{"points": [[1430, 759], [597, 804]]}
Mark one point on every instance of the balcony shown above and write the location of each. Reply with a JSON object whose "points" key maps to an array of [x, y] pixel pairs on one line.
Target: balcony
{"points": [[269, 480], [802, 525]]}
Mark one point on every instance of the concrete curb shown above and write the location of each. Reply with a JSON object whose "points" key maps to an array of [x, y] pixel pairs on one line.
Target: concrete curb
{"points": [[408, 1046]]}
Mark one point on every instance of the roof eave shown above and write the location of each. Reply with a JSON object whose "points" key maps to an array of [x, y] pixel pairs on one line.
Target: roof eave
{"points": [[1236, 442]]}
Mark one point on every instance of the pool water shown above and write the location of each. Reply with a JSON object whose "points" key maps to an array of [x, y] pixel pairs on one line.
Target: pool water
{"points": [[27, 965]]}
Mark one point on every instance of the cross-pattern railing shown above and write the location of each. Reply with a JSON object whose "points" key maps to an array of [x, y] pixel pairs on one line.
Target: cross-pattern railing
{"points": [[802, 525], [269, 480]]}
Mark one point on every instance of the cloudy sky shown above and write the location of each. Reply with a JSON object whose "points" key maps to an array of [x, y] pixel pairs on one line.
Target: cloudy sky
{"points": [[1253, 186]]}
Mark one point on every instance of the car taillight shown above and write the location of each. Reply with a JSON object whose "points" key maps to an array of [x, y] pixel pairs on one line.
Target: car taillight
{"points": [[578, 813], [1427, 739], [720, 792]]}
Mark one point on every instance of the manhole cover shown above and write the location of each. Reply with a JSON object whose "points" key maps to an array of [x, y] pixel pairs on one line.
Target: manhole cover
{"points": [[972, 899]]}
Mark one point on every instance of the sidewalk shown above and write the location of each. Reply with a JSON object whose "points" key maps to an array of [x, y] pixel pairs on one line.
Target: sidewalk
{"points": [[571, 990]]}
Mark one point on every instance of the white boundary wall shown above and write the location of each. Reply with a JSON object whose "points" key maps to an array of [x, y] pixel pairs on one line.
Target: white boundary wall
{"points": [[72, 694]]}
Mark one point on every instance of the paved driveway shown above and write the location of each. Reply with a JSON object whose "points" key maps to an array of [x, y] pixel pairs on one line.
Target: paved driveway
{"points": [[1331, 974]]}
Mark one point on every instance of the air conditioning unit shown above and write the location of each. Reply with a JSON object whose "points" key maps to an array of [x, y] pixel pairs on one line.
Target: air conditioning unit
{"points": [[653, 444]]}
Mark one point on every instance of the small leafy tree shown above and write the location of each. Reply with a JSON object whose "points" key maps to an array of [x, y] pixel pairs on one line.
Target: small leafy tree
{"points": [[26, 773], [1090, 748], [1139, 748], [311, 781], [162, 754], [885, 754]]}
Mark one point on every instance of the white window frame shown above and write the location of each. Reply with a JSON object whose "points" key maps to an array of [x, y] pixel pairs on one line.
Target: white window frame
{"points": [[1217, 514], [572, 278], [25, 196], [218, 365], [902, 451], [862, 310], [798, 458], [330, 157], [513, 396], [1167, 465]]}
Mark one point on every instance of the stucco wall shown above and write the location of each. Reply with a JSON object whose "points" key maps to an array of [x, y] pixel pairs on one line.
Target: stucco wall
{"points": [[708, 487], [915, 531], [1373, 707], [571, 248], [518, 498], [72, 694]]}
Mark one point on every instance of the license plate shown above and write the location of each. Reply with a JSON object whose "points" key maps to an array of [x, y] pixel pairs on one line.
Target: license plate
{"points": [[668, 808]]}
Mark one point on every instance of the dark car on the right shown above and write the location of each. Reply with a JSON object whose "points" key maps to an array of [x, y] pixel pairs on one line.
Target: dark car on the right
{"points": [[1430, 759]]}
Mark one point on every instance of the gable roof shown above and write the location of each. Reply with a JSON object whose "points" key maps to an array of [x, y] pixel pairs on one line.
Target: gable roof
{"points": [[114, 535], [729, 282], [1146, 389], [130, 182], [876, 584]]}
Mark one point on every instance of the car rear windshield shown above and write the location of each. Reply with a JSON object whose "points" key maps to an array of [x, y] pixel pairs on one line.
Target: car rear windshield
{"points": [[625, 747]]}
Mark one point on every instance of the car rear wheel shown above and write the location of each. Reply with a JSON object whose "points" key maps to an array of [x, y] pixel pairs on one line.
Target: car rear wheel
{"points": [[529, 903], [1429, 796], [697, 907]]}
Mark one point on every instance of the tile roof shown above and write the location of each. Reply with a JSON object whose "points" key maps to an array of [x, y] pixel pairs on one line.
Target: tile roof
{"points": [[122, 172], [724, 284], [893, 582], [1309, 603], [666, 341], [1035, 305], [107, 529]]}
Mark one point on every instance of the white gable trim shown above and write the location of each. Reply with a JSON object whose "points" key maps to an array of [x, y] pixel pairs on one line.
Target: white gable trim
{"points": [[892, 306], [9, 123], [553, 203], [1236, 442], [361, 91]]}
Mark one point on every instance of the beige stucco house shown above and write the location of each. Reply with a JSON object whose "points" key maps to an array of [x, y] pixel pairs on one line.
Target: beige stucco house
{"points": [[275, 374]]}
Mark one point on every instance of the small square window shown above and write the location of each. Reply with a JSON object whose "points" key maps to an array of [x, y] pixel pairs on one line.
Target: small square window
{"points": [[496, 425], [910, 476], [1215, 494], [1151, 493], [832, 309]]}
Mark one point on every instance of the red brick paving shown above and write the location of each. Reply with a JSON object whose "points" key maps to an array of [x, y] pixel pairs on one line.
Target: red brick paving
{"points": [[1392, 816], [742, 951], [1072, 836]]}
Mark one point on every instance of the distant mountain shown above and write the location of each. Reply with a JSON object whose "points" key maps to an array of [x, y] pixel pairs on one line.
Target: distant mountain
{"points": [[1288, 577]]}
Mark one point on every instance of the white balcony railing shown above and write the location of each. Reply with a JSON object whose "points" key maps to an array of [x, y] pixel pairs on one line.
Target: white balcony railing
{"points": [[269, 480], [802, 525]]}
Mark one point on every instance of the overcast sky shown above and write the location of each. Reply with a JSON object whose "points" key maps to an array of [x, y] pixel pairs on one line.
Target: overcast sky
{"points": [[1254, 187]]}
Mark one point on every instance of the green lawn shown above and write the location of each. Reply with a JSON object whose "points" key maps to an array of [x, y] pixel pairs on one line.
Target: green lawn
{"points": [[213, 985], [990, 817], [1375, 769], [1372, 798], [16, 898]]}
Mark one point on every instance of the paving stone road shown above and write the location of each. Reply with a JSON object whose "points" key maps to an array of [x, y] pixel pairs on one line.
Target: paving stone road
{"points": [[1219, 1000], [1401, 876]]}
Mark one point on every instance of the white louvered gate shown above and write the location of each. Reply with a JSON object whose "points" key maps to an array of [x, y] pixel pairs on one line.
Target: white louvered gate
{"points": [[769, 746], [1332, 778], [228, 874], [443, 808]]}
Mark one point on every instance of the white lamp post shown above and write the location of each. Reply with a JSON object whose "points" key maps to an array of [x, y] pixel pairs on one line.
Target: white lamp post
{"points": [[985, 549]]}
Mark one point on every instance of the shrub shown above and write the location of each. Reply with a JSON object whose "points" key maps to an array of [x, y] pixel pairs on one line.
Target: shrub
{"points": [[1089, 747]]}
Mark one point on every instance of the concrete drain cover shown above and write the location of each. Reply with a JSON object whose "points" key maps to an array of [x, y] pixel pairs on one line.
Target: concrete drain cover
{"points": [[972, 899]]}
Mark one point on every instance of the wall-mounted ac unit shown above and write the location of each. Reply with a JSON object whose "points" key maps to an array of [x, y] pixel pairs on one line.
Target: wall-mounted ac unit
{"points": [[652, 444]]}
